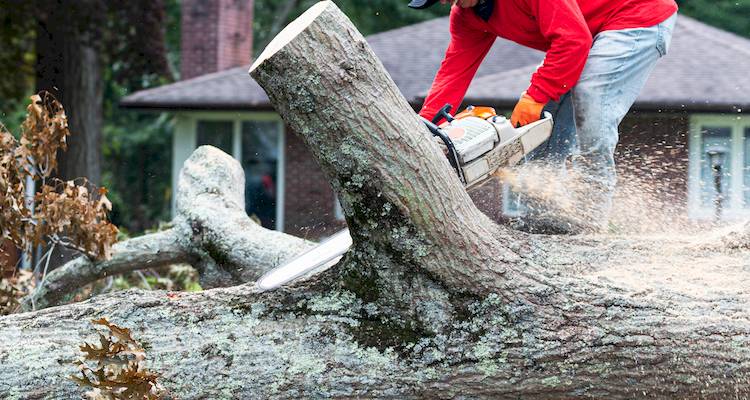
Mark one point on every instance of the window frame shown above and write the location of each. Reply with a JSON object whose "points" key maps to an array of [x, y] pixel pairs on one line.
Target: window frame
{"points": [[736, 207], [190, 125]]}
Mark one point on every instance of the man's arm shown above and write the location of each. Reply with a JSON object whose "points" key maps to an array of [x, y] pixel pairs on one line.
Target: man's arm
{"points": [[465, 53], [562, 23]]}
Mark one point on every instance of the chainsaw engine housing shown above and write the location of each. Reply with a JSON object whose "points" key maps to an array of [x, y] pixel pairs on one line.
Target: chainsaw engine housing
{"points": [[482, 146]]}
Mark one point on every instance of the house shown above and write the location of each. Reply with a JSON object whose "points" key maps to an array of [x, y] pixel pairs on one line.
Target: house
{"points": [[694, 101]]}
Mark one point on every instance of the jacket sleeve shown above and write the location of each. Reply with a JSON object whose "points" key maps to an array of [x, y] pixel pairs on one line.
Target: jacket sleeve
{"points": [[467, 49], [562, 24]]}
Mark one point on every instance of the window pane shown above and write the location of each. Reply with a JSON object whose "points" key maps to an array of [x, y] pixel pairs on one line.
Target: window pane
{"points": [[217, 134], [260, 159], [715, 138]]}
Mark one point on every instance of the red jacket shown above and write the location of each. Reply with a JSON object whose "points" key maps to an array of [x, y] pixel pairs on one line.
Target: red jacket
{"points": [[562, 28]]}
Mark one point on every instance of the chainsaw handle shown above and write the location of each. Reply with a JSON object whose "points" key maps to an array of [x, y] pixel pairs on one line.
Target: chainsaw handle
{"points": [[452, 152], [444, 112]]}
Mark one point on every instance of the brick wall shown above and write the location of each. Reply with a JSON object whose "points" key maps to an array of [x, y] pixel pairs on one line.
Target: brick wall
{"points": [[216, 35], [652, 157], [308, 198], [653, 151]]}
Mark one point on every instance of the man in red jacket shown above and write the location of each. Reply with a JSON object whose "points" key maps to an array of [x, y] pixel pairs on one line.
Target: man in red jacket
{"points": [[599, 54]]}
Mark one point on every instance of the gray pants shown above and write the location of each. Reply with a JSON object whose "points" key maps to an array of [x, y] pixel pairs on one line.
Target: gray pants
{"points": [[587, 118]]}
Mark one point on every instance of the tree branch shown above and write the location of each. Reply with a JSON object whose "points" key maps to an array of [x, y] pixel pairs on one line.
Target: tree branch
{"points": [[148, 251], [211, 231]]}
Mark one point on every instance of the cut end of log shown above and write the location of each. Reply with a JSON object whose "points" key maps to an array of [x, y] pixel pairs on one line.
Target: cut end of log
{"points": [[290, 32]]}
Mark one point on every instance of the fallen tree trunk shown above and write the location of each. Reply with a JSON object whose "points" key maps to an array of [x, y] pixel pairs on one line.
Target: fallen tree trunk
{"points": [[211, 231], [434, 300]]}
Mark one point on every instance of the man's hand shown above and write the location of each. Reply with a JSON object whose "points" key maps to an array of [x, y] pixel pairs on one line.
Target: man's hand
{"points": [[462, 3], [527, 111]]}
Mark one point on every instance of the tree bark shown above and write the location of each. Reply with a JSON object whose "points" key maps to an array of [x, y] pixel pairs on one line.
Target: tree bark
{"points": [[433, 301]]}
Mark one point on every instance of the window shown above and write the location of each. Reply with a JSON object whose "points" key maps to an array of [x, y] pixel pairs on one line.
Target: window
{"points": [[256, 140], [716, 140], [260, 160], [725, 140], [215, 133]]}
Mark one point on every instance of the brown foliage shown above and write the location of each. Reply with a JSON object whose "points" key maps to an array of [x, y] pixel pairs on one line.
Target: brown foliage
{"points": [[65, 213], [13, 289], [119, 372]]}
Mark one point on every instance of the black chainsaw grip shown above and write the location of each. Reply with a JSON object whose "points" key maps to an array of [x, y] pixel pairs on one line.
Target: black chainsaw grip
{"points": [[452, 152], [444, 112]]}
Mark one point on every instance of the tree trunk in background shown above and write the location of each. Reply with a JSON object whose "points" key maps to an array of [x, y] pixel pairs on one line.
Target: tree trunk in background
{"points": [[69, 66]]}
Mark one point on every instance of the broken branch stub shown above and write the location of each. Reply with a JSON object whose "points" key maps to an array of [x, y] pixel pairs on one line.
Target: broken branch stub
{"points": [[211, 231]]}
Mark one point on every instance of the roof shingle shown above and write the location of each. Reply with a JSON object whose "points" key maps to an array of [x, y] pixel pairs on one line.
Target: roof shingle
{"points": [[705, 69]]}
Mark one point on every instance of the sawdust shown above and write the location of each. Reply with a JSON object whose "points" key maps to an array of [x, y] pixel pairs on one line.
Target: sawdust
{"points": [[651, 244], [641, 205], [688, 265]]}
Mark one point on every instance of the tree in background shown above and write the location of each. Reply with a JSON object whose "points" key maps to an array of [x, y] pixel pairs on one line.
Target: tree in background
{"points": [[89, 53], [369, 17], [137, 151], [730, 15], [68, 47], [74, 40]]}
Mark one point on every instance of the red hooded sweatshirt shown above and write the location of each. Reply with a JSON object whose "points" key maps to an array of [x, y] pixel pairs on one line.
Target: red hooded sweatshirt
{"points": [[562, 28]]}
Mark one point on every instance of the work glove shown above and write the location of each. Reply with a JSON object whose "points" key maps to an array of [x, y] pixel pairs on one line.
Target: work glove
{"points": [[527, 111]]}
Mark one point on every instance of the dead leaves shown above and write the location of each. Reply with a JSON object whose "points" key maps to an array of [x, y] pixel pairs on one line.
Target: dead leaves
{"points": [[13, 289], [119, 371], [44, 133], [71, 214], [70, 211], [13, 209]]}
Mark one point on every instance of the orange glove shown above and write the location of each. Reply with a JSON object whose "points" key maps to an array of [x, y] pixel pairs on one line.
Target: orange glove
{"points": [[527, 111]]}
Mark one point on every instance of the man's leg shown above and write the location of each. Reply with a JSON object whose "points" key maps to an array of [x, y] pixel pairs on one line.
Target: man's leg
{"points": [[562, 141], [543, 202], [616, 70]]}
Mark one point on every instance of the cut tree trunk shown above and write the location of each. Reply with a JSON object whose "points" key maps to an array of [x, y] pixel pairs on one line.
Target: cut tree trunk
{"points": [[434, 300]]}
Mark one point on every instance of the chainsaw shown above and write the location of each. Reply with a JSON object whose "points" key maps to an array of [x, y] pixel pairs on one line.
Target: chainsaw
{"points": [[477, 143]]}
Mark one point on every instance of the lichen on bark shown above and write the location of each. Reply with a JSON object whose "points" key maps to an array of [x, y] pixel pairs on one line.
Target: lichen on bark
{"points": [[433, 300]]}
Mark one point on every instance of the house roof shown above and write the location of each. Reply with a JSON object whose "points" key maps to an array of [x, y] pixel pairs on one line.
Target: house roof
{"points": [[411, 55], [704, 71]]}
